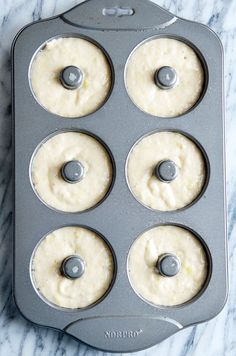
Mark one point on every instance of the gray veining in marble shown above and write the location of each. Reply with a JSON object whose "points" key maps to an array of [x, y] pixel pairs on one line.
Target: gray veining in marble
{"points": [[21, 338]]}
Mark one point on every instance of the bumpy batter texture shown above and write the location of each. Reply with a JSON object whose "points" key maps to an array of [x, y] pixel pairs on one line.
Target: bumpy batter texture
{"points": [[52, 59], [64, 292], [150, 57], [152, 192], [167, 291], [48, 181]]}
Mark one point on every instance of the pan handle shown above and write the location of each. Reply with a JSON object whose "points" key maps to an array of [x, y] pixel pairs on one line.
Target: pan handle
{"points": [[118, 15], [124, 333]]}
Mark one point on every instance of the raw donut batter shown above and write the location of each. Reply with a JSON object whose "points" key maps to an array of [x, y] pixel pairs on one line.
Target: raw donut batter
{"points": [[151, 191], [58, 289], [150, 57], [49, 160], [149, 283], [57, 55]]}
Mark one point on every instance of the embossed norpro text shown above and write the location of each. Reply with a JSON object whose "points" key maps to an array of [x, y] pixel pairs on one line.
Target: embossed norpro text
{"points": [[122, 334]]}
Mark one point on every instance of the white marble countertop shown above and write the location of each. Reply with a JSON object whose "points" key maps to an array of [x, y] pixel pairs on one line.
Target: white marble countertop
{"points": [[19, 337]]}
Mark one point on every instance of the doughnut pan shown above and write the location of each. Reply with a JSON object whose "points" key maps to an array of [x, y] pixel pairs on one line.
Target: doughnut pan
{"points": [[122, 321]]}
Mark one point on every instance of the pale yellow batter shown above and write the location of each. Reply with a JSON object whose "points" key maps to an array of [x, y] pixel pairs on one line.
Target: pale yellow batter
{"points": [[53, 189], [52, 59], [151, 285], [64, 292], [152, 192], [153, 55]]}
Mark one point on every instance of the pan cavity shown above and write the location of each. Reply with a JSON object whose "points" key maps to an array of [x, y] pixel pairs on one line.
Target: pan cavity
{"points": [[71, 171], [166, 171], [164, 77], [66, 270], [168, 266], [71, 77]]}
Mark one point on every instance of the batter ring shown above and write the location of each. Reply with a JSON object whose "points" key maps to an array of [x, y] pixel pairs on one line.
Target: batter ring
{"points": [[163, 290], [48, 65], [51, 157], [72, 293], [148, 153], [150, 57]]}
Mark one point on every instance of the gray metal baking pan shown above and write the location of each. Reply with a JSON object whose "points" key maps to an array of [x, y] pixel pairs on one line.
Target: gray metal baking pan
{"points": [[121, 322]]}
